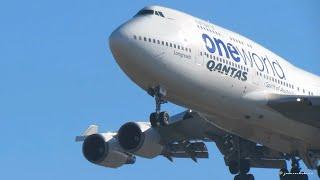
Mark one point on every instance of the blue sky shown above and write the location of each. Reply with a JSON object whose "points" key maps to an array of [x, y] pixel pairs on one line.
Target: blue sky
{"points": [[58, 76]]}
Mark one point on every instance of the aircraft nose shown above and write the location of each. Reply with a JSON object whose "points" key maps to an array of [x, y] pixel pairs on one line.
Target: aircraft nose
{"points": [[121, 43], [116, 41]]}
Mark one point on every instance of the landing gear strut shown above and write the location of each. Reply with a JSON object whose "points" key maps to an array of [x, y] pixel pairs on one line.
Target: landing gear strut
{"points": [[158, 118]]}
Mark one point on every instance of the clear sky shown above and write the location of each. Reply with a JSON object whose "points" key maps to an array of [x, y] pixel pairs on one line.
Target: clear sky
{"points": [[58, 76]]}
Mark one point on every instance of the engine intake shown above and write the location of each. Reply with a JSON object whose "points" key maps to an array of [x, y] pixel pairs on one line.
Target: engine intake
{"points": [[103, 149], [130, 136], [139, 138], [94, 148]]}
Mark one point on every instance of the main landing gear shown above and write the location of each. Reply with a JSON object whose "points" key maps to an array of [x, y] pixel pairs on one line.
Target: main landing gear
{"points": [[295, 173], [238, 164], [158, 118], [241, 168]]}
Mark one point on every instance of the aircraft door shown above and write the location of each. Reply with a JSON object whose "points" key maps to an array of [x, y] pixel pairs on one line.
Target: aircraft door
{"points": [[199, 58]]}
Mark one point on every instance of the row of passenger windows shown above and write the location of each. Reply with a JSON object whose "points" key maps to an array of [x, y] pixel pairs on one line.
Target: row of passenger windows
{"points": [[208, 29], [163, 43], [240, 42], [283, 83], [219, 34], [222, 60], [278, 81]]}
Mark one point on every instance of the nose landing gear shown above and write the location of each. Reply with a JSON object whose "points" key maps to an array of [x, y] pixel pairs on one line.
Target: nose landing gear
{"points": [[158, 118]]}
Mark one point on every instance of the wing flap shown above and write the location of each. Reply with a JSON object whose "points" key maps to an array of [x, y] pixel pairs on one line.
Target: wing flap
{"points": [[193, 150]]}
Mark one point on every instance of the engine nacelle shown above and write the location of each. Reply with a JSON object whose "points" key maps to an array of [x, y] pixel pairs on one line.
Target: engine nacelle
{"points": [[140, 138], [103, 149]]}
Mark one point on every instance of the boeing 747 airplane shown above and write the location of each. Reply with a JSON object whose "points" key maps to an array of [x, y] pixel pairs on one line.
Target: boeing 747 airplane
{"points": [[259, 109]]}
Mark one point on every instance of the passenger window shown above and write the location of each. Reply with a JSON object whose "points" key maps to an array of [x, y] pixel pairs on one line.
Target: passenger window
{"points": [[158, 41], [167, 44], [145, 39], [154, 41]]}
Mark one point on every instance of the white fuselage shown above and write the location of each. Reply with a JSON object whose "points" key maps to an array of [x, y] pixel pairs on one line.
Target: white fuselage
{"points": [[218, 73]]}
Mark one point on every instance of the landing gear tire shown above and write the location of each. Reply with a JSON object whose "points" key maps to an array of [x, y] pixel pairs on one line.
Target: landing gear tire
{"points": [[283, 173], [250, 177], [154, 120], [164, 118], [318, 171], [304, 176], [240, 177], [244, 166], [233, 167], [244, 177]]}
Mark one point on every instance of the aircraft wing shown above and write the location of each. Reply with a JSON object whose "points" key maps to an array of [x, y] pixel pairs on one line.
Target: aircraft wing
{"points": [[190, 126], [183, 140], [183, 137], [305, 109], [182, 128]]}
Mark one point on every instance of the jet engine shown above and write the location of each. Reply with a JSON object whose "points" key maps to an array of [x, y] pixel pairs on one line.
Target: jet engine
{"points": [[103, 149], [141, 139]]}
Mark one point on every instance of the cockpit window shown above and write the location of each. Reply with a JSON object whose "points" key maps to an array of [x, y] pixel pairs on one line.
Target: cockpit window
{"points": [[149, 12], [145, 12], [161, 14]]}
